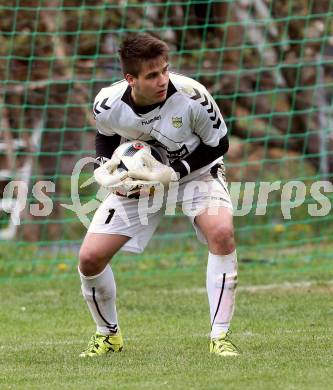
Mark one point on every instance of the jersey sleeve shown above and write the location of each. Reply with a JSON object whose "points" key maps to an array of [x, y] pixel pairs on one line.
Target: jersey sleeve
{"points": [[201, 156], [101, 128], [107, 140], [101, 114], [208, 123]]}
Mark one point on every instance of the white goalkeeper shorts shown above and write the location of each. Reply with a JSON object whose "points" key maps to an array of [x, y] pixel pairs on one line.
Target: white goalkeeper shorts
{"points": [[139, 218]]}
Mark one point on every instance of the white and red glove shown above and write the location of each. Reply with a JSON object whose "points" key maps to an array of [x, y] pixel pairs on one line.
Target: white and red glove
{"points": [[153, 171], [108, 175]]}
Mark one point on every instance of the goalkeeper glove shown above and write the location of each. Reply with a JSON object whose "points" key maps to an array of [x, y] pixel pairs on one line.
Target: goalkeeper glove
{"points": [[153, 171], [107, 174]]}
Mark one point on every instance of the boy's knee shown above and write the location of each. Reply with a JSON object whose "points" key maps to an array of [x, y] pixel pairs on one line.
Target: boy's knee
{"points": [[221, 239], [91, 261]]}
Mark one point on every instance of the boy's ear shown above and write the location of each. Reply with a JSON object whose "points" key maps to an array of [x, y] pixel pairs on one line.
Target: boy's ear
{"points": [[130, 79]]}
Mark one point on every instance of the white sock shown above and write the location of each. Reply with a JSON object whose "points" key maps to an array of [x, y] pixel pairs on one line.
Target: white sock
{"points": [[221, 289], [99, 291]]}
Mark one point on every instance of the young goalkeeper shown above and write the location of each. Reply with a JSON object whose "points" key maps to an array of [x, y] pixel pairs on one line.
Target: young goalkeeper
{"points": [[178, 114]]}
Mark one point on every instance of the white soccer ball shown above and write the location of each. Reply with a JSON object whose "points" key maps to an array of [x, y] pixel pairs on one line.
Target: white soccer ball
{"points": [[130, 156]]}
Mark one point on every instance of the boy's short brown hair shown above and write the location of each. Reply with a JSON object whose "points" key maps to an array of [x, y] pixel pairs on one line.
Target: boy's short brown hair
{"points": [[136, 49]]}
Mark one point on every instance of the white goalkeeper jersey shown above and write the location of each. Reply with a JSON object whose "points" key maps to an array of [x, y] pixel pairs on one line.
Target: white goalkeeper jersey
{"points": [[189, 116]]}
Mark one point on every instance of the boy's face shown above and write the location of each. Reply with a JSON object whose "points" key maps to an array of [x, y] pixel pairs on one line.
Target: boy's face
{"points": [[151, 85]]}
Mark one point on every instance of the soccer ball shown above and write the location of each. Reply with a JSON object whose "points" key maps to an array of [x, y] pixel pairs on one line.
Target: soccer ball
{"points": [[129, 154]]}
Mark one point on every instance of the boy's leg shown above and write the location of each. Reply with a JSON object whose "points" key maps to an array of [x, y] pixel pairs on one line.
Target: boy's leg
{"points": [[221, 267], [221, 276], [116, 224], [97, 280], [213, 222], [99, 290]]}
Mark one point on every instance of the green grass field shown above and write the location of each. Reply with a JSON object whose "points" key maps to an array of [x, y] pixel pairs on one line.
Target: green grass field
{"points": [[283, 330]]}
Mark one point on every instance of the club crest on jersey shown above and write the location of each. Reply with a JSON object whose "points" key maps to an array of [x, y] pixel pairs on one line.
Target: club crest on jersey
{"points": [[177, 121]]}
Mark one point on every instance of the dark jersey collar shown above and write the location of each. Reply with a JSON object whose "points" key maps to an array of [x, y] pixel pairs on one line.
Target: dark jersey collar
{"points": [[145, 109]]}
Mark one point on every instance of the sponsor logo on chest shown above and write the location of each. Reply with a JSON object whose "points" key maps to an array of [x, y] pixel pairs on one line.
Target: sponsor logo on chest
{"points": [[151, 120]]}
